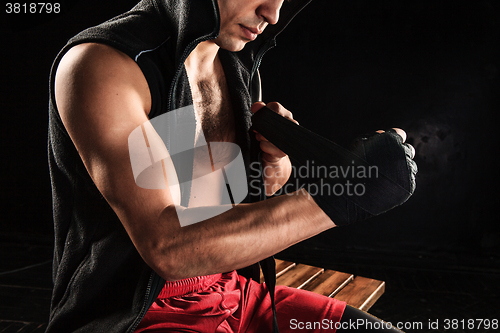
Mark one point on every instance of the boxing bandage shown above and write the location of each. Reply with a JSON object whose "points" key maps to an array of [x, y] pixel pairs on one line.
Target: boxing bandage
{"points": [[380, 166]]}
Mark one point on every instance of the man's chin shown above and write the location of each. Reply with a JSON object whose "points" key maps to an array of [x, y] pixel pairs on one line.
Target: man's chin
{"points": [[232, 46]]}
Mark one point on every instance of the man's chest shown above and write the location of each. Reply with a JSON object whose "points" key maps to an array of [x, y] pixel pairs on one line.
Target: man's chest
{"points": [[215, 122], [213, 110]]}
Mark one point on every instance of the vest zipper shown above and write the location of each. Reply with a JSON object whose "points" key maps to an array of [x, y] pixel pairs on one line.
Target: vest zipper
{"points": [[152, 282], [191, 46]]}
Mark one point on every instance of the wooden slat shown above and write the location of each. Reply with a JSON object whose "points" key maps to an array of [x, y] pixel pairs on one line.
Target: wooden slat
{"points": [[282, 267], [299, 276], [329, 283], [361, 292]]}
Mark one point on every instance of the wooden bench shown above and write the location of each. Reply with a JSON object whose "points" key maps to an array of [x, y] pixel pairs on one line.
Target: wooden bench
{"points": [[357, 291]]}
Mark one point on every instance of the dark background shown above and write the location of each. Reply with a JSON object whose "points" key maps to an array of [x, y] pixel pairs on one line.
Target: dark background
{"points": [[343, 68]]}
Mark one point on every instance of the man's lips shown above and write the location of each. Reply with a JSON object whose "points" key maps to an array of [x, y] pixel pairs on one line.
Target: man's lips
{"points": [[250, 33]]}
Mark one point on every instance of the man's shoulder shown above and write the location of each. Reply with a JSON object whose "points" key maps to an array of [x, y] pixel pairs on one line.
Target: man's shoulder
{"points": [[95, 59], [90, 72], [98, 54]]}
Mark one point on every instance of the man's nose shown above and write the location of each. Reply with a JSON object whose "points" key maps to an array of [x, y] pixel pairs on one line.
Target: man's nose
{"points": [[269, 10]]}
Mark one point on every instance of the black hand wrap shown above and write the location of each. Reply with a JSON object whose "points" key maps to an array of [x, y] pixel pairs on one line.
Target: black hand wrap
{"points": [[380, 164]]}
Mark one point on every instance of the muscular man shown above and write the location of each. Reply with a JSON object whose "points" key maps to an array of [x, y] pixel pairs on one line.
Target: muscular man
{"points": [[117, 243]]}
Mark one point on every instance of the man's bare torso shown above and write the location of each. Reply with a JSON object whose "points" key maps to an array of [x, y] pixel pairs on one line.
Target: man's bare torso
{"points": [[215, 120]]}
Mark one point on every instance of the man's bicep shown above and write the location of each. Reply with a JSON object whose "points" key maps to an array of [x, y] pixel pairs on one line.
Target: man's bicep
{"points": [[102, 97]]}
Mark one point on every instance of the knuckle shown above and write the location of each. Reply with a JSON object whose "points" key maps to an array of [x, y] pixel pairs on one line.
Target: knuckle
{"points": [[280, 109], [277, 107], [274, 106]]}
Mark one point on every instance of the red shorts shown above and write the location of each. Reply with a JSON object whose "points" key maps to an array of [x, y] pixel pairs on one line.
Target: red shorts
{"points": [[230, 303]]}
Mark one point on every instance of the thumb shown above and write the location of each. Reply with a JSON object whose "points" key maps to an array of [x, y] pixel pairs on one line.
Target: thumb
{"points": [[257, 106]]}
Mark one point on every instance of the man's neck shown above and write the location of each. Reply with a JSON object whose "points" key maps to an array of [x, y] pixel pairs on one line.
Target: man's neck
{"points": [[201, 62]]}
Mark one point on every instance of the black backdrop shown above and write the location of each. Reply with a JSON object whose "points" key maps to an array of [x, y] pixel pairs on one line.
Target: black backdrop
{"points": [[343, 68]]}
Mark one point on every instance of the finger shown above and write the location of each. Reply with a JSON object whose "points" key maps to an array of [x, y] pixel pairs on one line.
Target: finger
{"points": [[280, 109], [270, 158], [257, 106], [260, 137], [268, 148], [401, 133], [409, 150], [398, 131]]}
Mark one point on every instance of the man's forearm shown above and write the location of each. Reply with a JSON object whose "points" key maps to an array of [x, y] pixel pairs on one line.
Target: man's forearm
{"points": [[235, 239]]}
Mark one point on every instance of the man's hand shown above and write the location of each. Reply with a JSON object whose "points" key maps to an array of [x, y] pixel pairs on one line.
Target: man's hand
{"points": [[381, 167], [402, 134], [276, 165], [392, 183]]}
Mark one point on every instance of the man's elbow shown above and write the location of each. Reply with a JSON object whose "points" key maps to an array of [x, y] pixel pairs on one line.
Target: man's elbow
{"points": [[170, 272], [167, 257]]}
